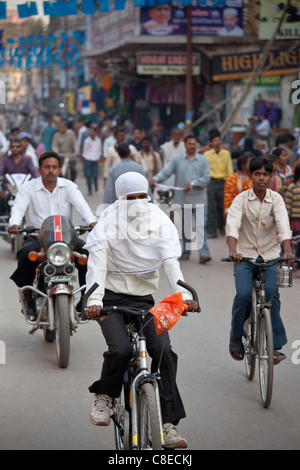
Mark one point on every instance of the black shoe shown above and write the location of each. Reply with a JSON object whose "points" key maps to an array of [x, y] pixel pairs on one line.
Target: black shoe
{"points": [[204, 259]]}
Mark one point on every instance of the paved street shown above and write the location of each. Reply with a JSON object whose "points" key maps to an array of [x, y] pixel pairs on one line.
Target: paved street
{"points": [[45, 407]]}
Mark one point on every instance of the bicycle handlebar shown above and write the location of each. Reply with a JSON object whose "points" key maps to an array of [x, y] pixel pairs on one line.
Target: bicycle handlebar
{"points": [[110, 310], [279, 260], [191, 290]]}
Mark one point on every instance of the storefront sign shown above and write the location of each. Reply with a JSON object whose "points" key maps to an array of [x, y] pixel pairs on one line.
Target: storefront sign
{"points": [[235, 66], [166, 63]]}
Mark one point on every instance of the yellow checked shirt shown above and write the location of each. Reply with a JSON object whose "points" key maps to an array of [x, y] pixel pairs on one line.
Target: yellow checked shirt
{"points": [[220, 164]]}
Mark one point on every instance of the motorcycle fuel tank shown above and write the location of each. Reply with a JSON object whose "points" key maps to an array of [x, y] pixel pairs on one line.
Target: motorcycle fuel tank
{"points": [[57, 228]]}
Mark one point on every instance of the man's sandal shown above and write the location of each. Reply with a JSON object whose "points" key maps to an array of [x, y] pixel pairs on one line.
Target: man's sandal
{"points": [[278, 357], [236, 349]]}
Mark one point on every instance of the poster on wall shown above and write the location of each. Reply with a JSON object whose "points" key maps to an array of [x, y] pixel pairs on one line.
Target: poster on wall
{"points": [[270, 12], [209, 17]]}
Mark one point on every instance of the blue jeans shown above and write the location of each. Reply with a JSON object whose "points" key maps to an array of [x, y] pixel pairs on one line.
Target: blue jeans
{"points": [[91, 173], [242, 302]]}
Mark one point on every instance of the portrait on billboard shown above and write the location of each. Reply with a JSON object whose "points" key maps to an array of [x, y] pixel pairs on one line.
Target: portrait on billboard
{"points": [[159, 20]]}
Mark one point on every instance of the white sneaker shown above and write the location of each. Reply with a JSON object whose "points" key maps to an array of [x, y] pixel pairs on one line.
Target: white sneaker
{"points": [[100, 414], [172, 438]]}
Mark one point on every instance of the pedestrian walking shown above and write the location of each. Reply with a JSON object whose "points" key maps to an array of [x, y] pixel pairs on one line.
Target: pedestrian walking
{"points": [[191, 170], [92, 150], [221, 168]]}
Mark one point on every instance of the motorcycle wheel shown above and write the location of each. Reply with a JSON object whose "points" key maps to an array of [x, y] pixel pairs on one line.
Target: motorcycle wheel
{"points": [[62, 329]]}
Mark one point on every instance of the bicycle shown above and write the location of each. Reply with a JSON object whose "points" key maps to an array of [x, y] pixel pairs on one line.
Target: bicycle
{"points": [[258, 334], [136, 414]]}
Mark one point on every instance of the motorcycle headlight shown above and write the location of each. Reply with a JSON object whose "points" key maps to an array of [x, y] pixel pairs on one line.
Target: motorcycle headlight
{"points": [[59, 254]]}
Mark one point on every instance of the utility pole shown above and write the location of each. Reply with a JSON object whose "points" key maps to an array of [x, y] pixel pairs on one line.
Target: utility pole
{"points": [[188, 76]]}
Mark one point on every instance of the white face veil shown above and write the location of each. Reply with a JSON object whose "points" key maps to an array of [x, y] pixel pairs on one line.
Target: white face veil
{"points": [[137, 235]]}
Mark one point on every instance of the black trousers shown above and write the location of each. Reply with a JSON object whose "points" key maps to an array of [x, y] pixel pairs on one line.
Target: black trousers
{"points": [[215, 206], [119, 353], [25, 272]]}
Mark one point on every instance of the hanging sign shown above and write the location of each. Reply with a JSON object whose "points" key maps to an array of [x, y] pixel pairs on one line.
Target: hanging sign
{"points": [[166, 63]]}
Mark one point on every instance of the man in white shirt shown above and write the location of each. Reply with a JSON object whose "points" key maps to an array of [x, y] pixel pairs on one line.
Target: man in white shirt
{"points": [[112, 156], [40, 198], [131, 241], [169, 149], [173, 147], [4, 144], [92, 150], [263, 129], [27, 148], [257, 227]]}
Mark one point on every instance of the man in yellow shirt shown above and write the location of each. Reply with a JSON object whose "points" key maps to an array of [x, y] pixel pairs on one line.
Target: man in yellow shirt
{"points": [[220, 164]]}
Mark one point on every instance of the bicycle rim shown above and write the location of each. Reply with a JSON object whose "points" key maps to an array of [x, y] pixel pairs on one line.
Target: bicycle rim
{"points": [[148, 419], [266, 357]]}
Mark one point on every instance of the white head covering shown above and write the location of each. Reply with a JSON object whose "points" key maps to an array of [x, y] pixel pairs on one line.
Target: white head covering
{"points": [[230, 11], [130, 183], [137, 235]]}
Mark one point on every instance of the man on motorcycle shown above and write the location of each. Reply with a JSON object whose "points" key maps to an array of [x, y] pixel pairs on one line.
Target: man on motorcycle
{"points": [[14, 163], [39, 198]]}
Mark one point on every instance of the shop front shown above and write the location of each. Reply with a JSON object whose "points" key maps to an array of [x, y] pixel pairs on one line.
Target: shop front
{"points": [[271, 93]]}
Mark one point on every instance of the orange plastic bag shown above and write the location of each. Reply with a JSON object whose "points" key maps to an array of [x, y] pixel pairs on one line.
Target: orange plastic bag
{"points": [[168, 312]]}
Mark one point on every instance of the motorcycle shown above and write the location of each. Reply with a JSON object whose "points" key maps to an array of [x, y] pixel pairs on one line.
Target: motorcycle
{"points": [[13, 182], [53, 292]]}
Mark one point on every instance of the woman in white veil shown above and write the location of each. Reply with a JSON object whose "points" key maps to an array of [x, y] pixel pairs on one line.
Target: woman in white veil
{"points": [[131, 241]]}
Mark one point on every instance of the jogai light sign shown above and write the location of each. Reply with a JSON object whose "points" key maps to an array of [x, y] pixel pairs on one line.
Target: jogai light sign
{"points": [[166, 63]]}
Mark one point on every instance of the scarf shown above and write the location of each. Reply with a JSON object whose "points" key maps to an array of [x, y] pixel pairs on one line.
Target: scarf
{"points": [[137, 235]]}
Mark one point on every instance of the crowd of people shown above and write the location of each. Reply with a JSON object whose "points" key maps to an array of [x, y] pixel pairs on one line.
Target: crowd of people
{"points": [[221, 189], [110, 149]]}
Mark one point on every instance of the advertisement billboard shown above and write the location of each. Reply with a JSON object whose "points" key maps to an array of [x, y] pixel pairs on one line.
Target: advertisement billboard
{"points": [[216, 18]]}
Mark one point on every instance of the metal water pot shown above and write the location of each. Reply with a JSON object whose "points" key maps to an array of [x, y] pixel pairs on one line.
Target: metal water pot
{"points": [[284, 276]]}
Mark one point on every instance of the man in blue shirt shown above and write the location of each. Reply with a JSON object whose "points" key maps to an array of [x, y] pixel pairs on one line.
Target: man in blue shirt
{"points": [[192, 175]]}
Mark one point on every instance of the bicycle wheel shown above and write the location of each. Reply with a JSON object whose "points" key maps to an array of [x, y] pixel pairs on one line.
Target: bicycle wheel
{"points": [[62, 328], [265, 356], [149, 419]]}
